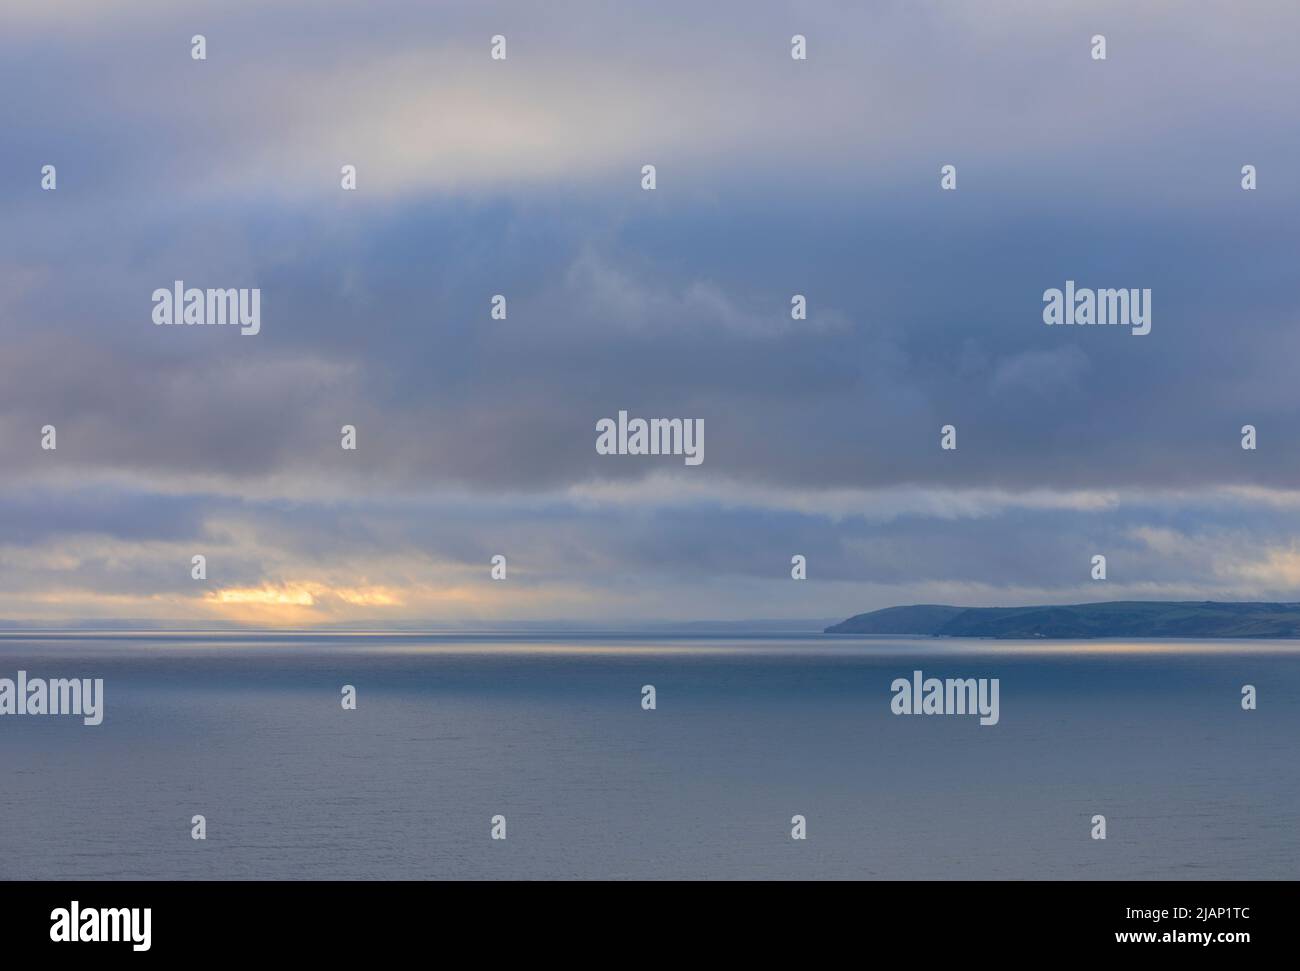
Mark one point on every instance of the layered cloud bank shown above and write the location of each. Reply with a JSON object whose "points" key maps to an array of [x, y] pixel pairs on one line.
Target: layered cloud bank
{"points": [[476, 436]]}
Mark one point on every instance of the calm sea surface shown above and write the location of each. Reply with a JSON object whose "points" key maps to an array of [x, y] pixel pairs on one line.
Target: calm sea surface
{"points": [[549, 732]]}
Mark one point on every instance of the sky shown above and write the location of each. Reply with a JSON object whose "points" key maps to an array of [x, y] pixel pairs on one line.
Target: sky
{"points": [[523, 177]]}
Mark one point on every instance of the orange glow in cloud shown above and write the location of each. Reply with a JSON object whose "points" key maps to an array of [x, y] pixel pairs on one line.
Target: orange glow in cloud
{"points": [[319, 601], [295, 602], [264, 595]]}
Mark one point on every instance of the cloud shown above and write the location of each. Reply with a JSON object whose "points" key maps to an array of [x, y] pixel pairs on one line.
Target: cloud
{"points": [[522, 178], [1041, 372]]}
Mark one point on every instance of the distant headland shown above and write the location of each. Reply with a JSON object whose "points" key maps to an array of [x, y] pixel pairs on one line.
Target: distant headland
{"points": [[1123, 618]]}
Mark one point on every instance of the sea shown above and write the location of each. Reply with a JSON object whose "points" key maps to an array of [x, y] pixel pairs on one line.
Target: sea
{"points": [[547, 740]]}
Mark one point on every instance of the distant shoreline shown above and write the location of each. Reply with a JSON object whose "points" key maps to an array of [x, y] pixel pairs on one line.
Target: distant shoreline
{"points": [[1144, 619]]}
